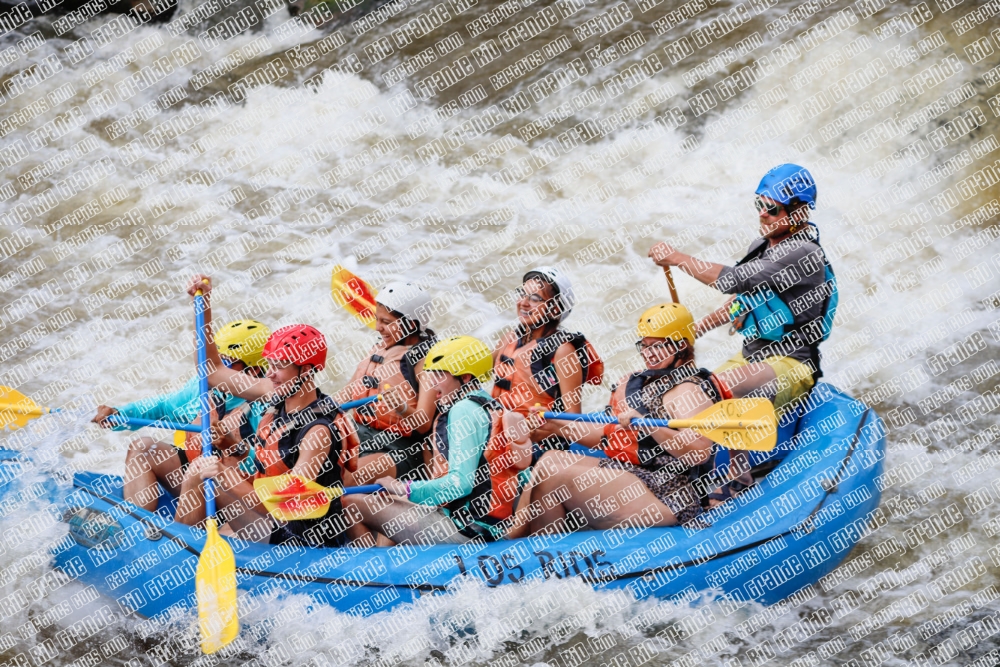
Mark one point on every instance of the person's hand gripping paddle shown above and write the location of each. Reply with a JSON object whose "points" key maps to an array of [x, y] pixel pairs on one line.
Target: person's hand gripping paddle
{"points": [[215, 578], [738, 423], [16, 410]]}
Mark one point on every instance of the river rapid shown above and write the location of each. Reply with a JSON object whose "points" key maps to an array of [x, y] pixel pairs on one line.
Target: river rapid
{"points": [[446, 145]]}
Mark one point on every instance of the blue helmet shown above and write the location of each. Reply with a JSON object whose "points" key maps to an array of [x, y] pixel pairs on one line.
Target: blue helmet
{"points": [[787, 182]]}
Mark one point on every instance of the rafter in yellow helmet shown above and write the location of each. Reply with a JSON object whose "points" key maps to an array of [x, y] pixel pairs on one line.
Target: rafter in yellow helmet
{"points": [[243, 340], [461, 355], [667, 320]]}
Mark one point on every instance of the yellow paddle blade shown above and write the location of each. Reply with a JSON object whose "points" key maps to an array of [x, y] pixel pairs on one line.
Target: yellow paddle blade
{"points": [[16, 409], [738, 423], [215, 585], [180, 439], [354, 295], [292, 498]]}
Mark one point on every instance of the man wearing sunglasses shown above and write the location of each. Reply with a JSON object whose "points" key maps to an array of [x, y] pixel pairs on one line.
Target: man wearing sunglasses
{"points": [[785, 293]]}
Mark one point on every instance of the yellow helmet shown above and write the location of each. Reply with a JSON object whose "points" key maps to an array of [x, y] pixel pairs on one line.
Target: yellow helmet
{"points": [[668, 320], [460, 355], [243, 340]]}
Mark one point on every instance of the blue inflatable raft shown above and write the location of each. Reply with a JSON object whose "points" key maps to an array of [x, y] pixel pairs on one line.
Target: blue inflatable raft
{"points": [[812, 504]]}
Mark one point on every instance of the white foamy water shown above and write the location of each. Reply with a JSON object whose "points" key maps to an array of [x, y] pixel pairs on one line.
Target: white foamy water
{"points": [[262, 191]]}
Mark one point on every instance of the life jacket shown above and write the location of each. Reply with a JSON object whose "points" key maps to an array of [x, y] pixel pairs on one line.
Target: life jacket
{"points": [[495, 484], [394, 367], [280, 434], [525, 375], [192, 441], [632, 446], [762, 313]]}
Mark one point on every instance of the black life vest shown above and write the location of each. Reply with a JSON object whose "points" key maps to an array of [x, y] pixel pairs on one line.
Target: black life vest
{"points": [[280, 435], [637, 391]]}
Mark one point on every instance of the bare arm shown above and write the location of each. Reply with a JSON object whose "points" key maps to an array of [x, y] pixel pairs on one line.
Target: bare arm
{"points": [[425, 403], [714, 320], [517, 429], [585, 433], [683, 402], [226, 379], [570, 374], [232, 486], [702, 271], [314, 449]]}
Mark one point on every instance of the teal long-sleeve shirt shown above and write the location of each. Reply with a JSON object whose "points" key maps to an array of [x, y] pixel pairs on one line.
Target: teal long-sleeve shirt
{"points": [[183, 406], [468, 432]]}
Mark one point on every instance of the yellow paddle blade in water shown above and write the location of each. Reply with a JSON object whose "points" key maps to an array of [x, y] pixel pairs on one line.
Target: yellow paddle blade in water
{"points": [[292, 498], [738, 423], [354, 295], [215, 585], [16, 409]]}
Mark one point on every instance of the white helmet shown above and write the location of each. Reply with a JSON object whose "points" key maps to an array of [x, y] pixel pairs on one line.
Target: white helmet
{"points": [[406, 298], [560, 282]]}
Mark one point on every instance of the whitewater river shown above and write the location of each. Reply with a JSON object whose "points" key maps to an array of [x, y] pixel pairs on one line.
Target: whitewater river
{"points": [[458, 152]]}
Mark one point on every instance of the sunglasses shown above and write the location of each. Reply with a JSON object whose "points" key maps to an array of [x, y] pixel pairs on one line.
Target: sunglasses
{"points": [[771, 208]]}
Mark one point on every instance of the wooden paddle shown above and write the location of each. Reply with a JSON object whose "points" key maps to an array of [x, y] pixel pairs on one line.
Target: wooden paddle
{"points": [[16, 410], [293, 497], [670, 284], [215, 577], [354, 295], [738, 423]]}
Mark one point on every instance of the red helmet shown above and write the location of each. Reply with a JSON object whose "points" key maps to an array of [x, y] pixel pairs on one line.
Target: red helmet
{"points": [[300, 344]]}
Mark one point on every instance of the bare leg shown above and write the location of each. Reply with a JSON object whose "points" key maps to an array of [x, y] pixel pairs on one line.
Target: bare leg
{"points": [[604, 497], [146, 463], [371, 468], [548, 487], [374, 466], [402, 521], [523, 511], [756, 380], [240, 509], [359, 534], [236, 504]]}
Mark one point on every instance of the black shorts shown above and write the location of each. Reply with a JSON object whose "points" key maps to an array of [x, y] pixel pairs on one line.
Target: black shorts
{"points": [[183, 456], [324, 532], [550, 443], [405, 451]]}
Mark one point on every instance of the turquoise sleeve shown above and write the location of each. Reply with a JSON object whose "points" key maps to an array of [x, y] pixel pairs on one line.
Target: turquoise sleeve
{"points": [[257, 410], [468, 431], [181, 405]]}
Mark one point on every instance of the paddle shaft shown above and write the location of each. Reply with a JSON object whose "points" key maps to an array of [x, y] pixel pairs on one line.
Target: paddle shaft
{"points": [[670, 284], [116, 419], [600, 418], [136, 422], [367, 488], [206, 404], [358, 403]]}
